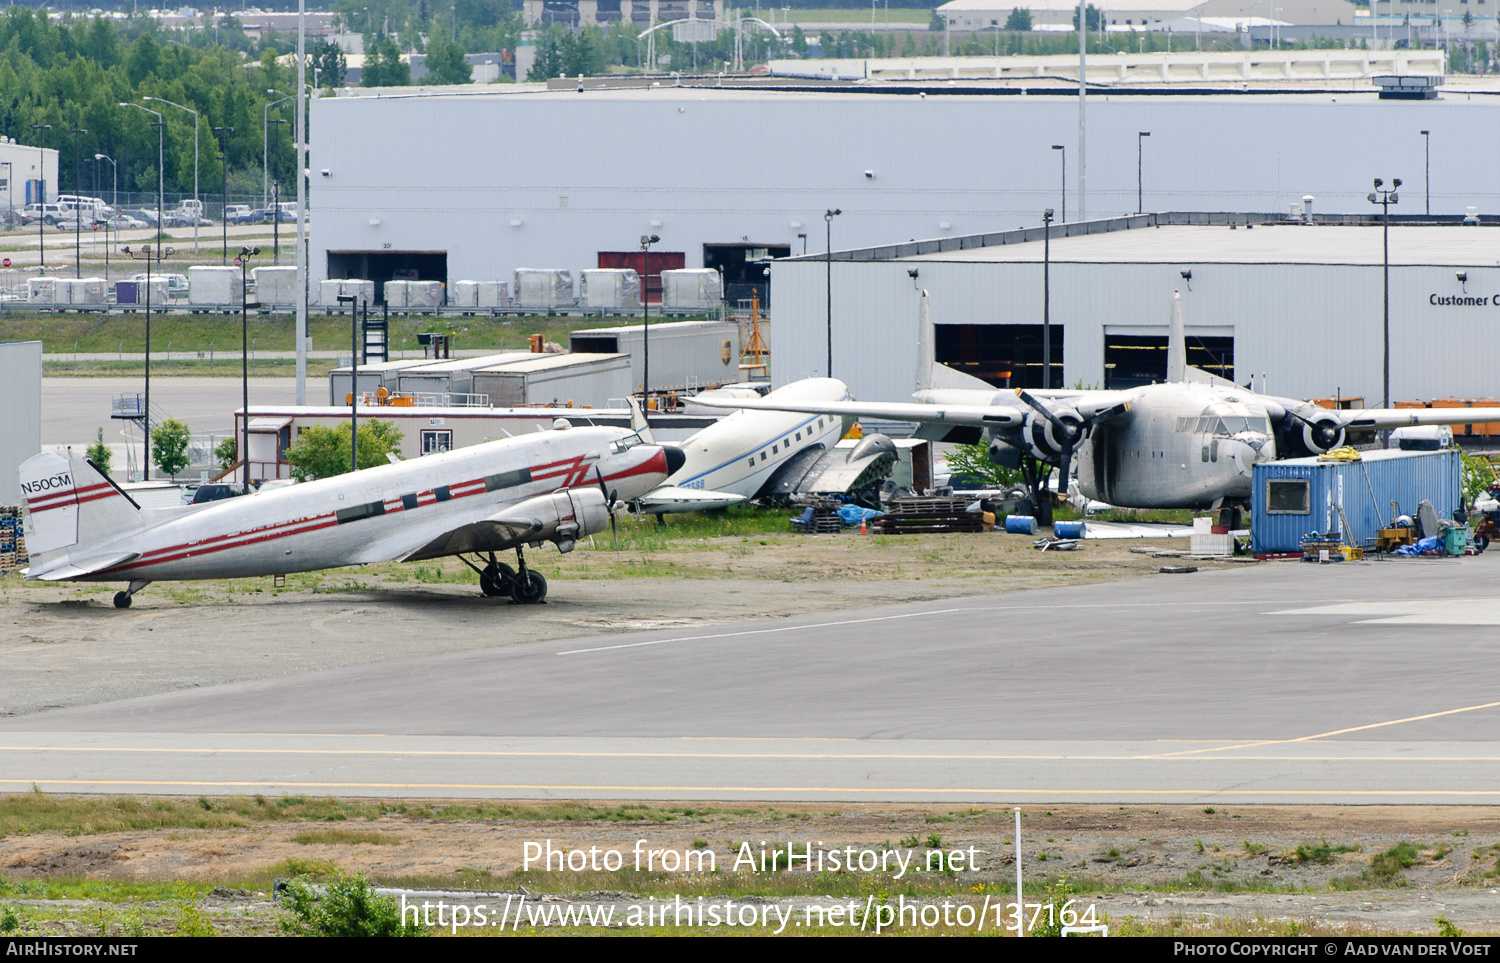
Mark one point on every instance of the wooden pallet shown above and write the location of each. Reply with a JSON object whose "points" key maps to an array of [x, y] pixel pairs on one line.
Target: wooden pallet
{"points": [[892, 524], [927, 506]]}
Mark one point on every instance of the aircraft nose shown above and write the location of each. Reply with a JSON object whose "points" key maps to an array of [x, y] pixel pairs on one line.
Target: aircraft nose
{"points": [[676, 458]]}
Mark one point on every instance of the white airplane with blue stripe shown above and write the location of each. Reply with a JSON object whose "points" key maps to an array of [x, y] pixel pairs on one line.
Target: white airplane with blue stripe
{"points": [[736, 459]]}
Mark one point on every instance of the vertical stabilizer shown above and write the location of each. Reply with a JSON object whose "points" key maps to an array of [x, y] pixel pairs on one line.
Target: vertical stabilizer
{"points": [[926, 354], [1176, 343], [68, 503], [639, 424]]}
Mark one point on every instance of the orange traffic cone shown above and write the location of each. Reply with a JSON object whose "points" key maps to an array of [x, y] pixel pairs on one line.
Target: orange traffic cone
{"points": [[862, 529]]}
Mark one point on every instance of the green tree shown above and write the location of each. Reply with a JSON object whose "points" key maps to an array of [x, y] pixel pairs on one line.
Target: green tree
{"points": [[385, 68], [1093, 15], [324, 452], [446, 63], [799, 40], [99, 453], [346, 906], [973, 461], [548, 63], [1019, 19], [169, 443], [227, 453], [329, 62]]}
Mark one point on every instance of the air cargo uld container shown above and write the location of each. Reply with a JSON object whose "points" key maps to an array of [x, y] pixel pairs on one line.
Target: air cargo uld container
{"points": [[80, 291], [331, 290], [275, 285], [692, 289], [41, 290], [134, 292], [414, 294], [542, 288], [214, 285], [684, 354], [539, 379], [1297, 496], [479, 294], [609, 288]]}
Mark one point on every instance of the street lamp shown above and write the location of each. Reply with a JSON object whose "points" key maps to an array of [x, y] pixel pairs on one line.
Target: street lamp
{"points": [[646, 241], [145, 255], [349, 299], [41, 207], [114, 203], [1047, 300], [1063, 191], [78, 204], [1140, 138], [242, 262], [1427, 175], [1385, 198], [828, 217], [265, 147], [161, 175], [224, 133], [196, 202]]}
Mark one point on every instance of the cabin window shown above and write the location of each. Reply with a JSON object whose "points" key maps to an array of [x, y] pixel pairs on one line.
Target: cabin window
{"points": [[507, 479], [775, 449], [762, 456], [408, 502], [367, 510], [1288, 496], [752, 461], [442, 494]]}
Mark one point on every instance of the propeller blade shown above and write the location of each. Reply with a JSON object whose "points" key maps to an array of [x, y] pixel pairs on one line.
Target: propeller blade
{"points": [[1045, 412], [1065, 462], [614, 533]]}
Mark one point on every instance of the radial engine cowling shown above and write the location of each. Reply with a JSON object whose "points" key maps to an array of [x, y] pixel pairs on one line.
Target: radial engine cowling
{"points": [[1045, 440], [1320, 434], [564, 516]]}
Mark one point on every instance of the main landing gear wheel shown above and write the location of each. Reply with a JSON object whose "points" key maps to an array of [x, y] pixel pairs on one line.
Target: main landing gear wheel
{"points": [[122, 600], [496, 579], [529, 587], [1481, 542]]}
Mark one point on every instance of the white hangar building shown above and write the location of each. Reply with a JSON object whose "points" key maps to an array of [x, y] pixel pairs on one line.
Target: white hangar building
{"points": [[1300, 304], [445, 185]]}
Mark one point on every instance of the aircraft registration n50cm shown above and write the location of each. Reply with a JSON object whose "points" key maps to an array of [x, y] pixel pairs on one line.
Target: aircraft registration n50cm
{"points": [[1190, 442], [551, 486]]}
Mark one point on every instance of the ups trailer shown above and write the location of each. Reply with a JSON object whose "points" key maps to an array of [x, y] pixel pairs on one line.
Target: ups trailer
{"points": [[684, 354], [584, 380]]}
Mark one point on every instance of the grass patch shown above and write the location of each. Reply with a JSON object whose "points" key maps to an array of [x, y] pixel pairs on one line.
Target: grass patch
{"points": [[1321, 853], [347, 837]]}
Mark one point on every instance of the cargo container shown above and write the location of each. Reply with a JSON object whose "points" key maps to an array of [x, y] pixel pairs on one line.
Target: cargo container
{"points": [[80, 291], [684, 354], [538, 379], [542, 288], [1297, 496], [414, 294], [609, 288], [479, 294], [275, 285], [214, 285], [331, 290], [41, 290], [449, 378], [134, 292], [692, 289]]}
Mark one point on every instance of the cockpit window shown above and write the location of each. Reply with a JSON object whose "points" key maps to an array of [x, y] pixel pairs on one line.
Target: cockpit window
{"points": [[625, 444], [1230, 424]]}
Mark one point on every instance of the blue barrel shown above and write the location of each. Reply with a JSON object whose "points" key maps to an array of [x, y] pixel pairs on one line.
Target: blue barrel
{"points": [[1068, 529], [1020, 525]]}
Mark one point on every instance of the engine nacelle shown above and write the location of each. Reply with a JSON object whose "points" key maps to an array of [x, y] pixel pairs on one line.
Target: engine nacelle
{"points": [[1005, 454], [1324, 433], [1043, 438], [565, 516]]}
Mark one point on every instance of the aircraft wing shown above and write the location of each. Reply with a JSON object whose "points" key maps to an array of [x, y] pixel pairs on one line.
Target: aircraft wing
{"points": [[671, 498], [1402, 417], [983, 416], [504, 529]]}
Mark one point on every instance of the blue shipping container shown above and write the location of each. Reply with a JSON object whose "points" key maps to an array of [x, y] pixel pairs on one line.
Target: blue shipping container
{"points": [[125, 292], [1296, 497]]}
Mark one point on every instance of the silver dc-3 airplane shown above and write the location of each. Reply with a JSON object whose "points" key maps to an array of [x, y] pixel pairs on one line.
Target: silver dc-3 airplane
{"points": [[1190, 442], [551, 486]]}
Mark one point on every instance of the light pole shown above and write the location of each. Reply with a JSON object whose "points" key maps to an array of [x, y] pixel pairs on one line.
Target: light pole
{"points": [[265, 147], [646, 241], [196, 203], [78, 212], [114, 199], [350, 300], [1427, 174], [828, 217], [41, 208], [1047, 299], [1063, 192], [161, 174], [146, 413], [224, 133], [242, 262], [1140, 138], [1385, 198]]}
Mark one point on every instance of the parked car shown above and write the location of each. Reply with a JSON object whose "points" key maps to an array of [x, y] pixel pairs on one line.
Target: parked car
{"points": [[49, 213], [124, 222]]}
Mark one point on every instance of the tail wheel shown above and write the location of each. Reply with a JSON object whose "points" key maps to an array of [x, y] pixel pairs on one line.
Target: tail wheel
{"points": [[1481, 542], [122, 600], [529, 588]]}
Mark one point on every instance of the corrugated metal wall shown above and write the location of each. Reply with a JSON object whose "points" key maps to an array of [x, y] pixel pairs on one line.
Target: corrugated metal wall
{"points": [[589, 172], [21, 400], [1364, 489]]}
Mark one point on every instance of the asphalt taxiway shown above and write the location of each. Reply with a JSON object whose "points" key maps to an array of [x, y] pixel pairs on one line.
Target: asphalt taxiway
{"points": [[1277, 683]]}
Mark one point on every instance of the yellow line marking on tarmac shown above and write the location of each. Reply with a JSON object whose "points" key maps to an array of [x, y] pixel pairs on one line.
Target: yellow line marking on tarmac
{"points": [[1333, 732], [1384, 793]]}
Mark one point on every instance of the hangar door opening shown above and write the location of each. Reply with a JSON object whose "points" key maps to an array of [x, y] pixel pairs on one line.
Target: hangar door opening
{"points": [[1005, 355], [636, 261], [1134, 359], [382, 266], [744, 268]]}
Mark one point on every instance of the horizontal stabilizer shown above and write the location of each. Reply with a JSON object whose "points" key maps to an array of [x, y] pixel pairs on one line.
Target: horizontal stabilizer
{"points": [[671, 498], [71, 569]]}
